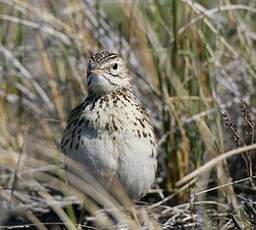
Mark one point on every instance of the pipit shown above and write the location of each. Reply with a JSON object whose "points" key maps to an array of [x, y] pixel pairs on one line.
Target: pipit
{"points": [[110, 132]]}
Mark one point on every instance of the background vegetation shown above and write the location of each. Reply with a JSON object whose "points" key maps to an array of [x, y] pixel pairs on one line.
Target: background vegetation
{"points": [[191, 61]]}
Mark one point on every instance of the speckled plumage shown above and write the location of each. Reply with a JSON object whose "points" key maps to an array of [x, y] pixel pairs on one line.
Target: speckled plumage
{"points": [[110, 132]]}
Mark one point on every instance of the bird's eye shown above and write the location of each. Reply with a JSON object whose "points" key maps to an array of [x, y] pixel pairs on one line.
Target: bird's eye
{"points": [[115, 66], [114, 69]]}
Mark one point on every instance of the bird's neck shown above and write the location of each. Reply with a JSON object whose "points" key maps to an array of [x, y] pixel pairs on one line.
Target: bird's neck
{"points": [[122, 90]]}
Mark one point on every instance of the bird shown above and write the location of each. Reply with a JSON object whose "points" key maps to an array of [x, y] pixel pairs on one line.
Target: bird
{"points": [[110, 132]]}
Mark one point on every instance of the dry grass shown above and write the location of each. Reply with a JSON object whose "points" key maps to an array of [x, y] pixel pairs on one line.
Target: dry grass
{"points": [[191, 62]]}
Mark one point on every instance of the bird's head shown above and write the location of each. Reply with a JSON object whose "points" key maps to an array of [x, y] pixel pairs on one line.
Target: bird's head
{"points": [[106, 73]]}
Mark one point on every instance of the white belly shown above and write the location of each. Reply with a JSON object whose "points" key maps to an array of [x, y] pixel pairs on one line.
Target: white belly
{"points": [[126, 157], [114, 141]]}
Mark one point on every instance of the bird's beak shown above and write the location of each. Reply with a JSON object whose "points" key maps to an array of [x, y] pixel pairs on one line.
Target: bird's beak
{"points": [[96, 72]]}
